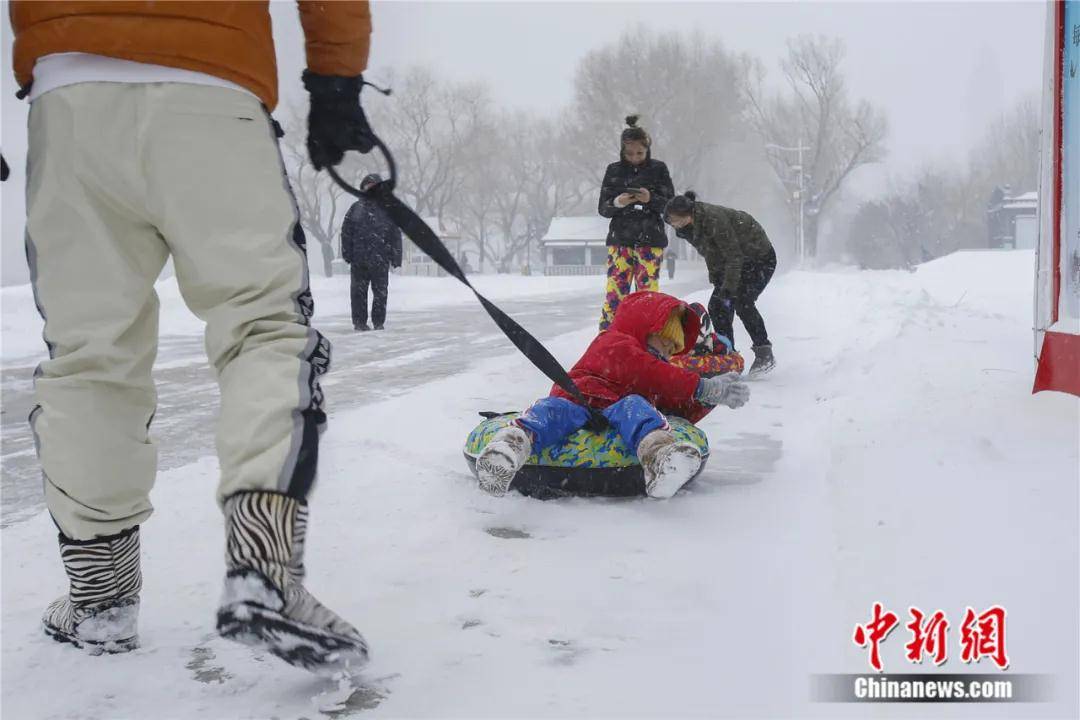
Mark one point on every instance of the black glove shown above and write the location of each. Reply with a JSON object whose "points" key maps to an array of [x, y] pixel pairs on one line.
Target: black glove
{"points": [[3, 169], [336, 122]]}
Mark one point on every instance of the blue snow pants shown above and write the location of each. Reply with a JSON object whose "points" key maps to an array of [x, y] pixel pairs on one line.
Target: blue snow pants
{"points": [[552, 420]]}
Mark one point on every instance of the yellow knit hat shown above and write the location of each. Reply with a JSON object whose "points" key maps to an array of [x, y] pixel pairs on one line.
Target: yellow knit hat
{"points": [[673, 329]]}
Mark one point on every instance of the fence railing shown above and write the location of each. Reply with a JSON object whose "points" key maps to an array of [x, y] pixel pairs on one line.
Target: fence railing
{"points": [[575, 269], [422, 269]]}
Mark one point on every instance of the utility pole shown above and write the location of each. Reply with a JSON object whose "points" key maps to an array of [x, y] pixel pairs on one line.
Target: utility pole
{"points": [[802, 200], [799, 194]]}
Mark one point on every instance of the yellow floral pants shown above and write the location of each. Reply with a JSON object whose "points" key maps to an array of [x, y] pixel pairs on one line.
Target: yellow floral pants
{"points": [[625, 265]]}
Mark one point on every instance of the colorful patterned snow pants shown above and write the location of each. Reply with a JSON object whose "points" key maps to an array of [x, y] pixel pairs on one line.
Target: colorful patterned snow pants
{"points": [[639, 265]]}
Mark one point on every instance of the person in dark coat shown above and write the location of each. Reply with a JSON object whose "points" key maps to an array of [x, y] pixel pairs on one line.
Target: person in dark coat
{"points": [[634, 193], [670, 257], [371, 244], [741, 261]]}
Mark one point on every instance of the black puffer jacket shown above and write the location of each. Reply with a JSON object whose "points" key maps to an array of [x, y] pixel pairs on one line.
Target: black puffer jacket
{"points": [[368, 237], [637, 225]]}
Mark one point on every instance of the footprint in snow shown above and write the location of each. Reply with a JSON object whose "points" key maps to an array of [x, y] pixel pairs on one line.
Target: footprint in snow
{"points": [[565, 652], [203, 670], [507, 533], [348, 699]]}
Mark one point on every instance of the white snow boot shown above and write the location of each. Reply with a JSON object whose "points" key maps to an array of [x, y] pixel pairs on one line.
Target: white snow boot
{"points": [[763, 360], [667, 463], [265, 604], [502, 458], [100, 613]]}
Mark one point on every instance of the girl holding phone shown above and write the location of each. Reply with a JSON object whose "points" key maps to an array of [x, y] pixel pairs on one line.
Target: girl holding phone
{"points": [[634, 193]]}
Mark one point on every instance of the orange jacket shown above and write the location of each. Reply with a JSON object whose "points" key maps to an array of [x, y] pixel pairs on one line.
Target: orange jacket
{"points": [[231, 40]]}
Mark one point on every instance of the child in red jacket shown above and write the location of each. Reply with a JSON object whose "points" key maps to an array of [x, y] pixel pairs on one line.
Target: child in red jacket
{"points": [[625, 373]]}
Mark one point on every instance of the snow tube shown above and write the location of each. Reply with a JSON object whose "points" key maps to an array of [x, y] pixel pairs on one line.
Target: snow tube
{"points": [[585, 464]]}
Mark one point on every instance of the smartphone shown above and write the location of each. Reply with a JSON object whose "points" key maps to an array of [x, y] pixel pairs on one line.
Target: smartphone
{"points": [[633, 191]]}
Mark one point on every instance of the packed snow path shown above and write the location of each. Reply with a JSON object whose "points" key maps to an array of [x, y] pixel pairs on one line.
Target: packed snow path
{"points": [[895, 455], [419, 346]]}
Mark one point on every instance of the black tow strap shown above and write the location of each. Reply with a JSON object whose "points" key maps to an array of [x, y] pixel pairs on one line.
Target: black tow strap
{"points": [[425, 238]]}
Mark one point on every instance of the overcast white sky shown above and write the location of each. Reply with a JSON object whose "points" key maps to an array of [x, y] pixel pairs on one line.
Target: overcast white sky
{"points": [[941, 71]]}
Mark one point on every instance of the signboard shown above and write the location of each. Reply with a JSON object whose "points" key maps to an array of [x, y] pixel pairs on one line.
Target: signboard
{"points": [[1057, 271], [1069, 301]]}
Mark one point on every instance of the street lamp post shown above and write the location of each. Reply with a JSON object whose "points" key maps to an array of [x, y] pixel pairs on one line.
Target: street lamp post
{"points": [[800, 193]]}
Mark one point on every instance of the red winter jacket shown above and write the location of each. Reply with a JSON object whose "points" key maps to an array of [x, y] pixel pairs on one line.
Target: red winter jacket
{"points": [[618, 362]]}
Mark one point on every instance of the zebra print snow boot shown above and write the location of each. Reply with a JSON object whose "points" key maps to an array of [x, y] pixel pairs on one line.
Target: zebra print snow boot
{"points": [[265, 604], [101, 610]]}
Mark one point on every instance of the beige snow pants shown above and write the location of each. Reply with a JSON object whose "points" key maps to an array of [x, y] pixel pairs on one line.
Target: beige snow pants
{"points": [[120, 176]]}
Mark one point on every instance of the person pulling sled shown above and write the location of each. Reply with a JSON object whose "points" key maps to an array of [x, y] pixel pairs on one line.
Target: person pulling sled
{"points": [[175, 154]]}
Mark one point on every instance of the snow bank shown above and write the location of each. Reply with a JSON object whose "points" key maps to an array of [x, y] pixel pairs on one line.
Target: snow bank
{"points": [[998, 281]]}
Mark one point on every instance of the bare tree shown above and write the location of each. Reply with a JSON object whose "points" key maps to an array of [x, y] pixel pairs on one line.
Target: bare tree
{"points": [[686, 89], [434, 127], [514, 164], [944, 208], [473, 202], [317, 197], [475, 213], [1009, 152], [814, 112], [427, 123], [532, 183], [1006, 156], [533, 179]]}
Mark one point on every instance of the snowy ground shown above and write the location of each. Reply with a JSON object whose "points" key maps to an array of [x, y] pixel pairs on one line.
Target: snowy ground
{"points": [[895, 455], [436, 330], [20, 339]]}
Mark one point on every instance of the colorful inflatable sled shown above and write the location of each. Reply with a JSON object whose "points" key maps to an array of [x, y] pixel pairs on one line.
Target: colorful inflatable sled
{"points": [[585, 464]]}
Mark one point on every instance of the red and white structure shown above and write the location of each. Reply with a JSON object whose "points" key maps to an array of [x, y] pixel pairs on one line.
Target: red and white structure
{"points": [[1057, 265]]}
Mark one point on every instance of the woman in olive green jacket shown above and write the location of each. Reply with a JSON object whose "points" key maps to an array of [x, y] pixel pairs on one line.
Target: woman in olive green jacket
{"points": [[741, 261]]}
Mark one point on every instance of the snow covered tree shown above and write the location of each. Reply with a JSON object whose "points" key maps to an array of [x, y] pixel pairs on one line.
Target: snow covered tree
{"points": [[535, 182], [1008, 153], [944, 208], [428, 123], [473, 204], [816, 113], [685, 88]]}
